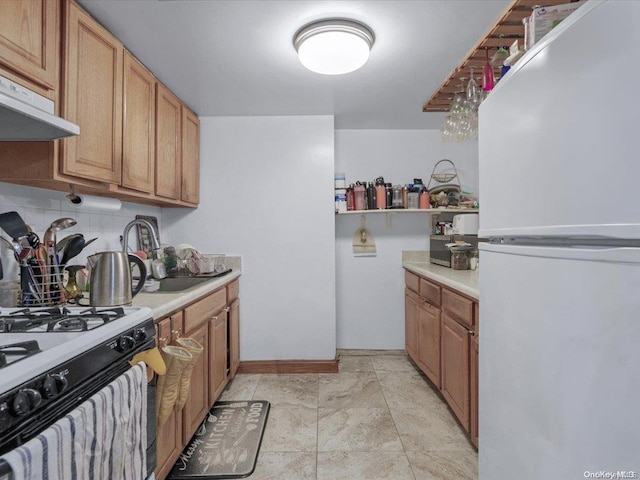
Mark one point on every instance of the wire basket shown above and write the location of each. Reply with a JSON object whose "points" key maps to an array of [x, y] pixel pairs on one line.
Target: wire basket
{"points": [[443, 177], [41, 285], [198, 263]]}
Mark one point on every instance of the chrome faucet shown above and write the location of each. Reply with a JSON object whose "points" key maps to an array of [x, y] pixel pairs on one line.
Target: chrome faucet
{"points": [[155, 242]]}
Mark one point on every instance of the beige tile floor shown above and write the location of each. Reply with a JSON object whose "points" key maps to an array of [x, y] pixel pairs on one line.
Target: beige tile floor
{"points": [[377, 419]]}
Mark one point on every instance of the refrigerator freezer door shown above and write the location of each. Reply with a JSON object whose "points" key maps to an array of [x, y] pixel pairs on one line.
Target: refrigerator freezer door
{"points": [[559, 367], [558, 136]]}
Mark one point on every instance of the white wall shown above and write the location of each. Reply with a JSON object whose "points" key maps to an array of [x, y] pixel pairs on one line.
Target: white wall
{"points": [[39, 207], [370, 290], [266, 193]]}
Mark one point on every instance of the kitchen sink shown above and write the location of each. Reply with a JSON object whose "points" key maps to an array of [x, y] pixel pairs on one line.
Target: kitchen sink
{"points": [[179, 284]]}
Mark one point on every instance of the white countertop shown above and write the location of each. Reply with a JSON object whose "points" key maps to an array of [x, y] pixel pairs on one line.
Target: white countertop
{"points": [[464, 281], [166, 302]]}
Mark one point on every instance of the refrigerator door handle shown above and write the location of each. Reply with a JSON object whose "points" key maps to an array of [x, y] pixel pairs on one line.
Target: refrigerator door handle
{"points": [[622, 255]]}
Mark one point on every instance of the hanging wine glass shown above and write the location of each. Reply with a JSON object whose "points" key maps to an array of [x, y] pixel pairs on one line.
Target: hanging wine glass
{"points": [[498, 58], [472, 90], [488, 80]]}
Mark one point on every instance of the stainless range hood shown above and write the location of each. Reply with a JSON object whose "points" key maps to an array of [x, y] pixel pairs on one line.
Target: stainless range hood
{"points": [[28, 116]]}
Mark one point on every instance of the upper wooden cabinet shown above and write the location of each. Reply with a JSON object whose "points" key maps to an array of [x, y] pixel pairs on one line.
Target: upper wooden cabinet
{"points": [[138, 141], [92, 98], [29, 39], [168, 143], [190, 192], [138, 133]]}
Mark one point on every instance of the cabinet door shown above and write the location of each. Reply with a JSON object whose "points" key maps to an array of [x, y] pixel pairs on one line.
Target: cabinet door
{"points": [[29, 39], [234, 337], [455, 367], [217, 355], [92, 96], [168, 143], [197, 404], [138, 133], [474, 391], [429, 341], [411, 324], [190, 157], [168, 435]]}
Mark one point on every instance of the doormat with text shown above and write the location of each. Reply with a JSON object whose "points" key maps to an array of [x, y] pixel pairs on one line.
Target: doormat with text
{"points": [[226, 444]]}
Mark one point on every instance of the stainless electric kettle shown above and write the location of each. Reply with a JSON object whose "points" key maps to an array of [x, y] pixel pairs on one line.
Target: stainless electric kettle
{"points": [[111, 280]]}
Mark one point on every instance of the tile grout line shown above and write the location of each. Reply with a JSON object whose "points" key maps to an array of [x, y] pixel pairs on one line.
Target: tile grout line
{"points": [[404, 449]]}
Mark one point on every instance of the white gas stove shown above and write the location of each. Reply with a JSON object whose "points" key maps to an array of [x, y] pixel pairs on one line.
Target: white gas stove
{"points": [[51, 359]]}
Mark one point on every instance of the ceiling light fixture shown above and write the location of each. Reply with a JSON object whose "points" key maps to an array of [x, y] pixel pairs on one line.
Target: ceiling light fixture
{"points": [[334, 46]]}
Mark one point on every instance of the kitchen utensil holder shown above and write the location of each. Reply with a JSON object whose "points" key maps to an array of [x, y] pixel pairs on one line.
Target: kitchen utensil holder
{"points": [[41, 289], [444, 177]]}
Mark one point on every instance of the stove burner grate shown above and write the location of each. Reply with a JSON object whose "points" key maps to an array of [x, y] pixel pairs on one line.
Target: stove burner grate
{"points": [[58, 319], [20, 350]]}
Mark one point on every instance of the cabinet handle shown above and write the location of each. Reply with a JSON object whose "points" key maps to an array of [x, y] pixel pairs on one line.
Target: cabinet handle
{"points": [[162, 341], [227, 309], [471, 332], [176, 333]]}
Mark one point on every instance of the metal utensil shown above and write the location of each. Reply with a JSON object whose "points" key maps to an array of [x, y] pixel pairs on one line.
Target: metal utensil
{"points": [[55, 227], [50, 242], [16, 248], [13, 224], [88, 242], [62, 243], [73, 248]]}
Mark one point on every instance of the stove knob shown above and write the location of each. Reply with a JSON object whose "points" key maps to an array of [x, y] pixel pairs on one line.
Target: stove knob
{"points": [[139, 335], [125, 343], [25, 401], [53, 385]]}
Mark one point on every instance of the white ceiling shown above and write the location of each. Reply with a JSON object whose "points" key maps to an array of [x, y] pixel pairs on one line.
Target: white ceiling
{"points": [[236, 57]]}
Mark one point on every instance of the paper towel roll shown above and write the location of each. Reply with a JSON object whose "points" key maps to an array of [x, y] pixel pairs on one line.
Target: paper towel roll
{"points": [[96, 203]]}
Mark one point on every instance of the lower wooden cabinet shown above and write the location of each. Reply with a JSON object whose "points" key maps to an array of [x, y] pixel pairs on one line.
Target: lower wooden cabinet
{"points": [[169, 442], [455, 367], [474, 390], [218, 355], [197, 404], [429, 341], [411, 302], [214, 322], [440, 325], [234, 337]]}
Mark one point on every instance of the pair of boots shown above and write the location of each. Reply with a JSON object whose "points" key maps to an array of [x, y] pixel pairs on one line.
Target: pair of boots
{"points": [[173, 387]]}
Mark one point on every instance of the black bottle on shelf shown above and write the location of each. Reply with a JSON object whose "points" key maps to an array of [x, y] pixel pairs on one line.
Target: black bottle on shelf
{"points": [[371, 196], [388, 194]]}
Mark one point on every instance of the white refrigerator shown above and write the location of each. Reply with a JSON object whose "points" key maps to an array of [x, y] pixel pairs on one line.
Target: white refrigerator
{"points": [[559, 147]]}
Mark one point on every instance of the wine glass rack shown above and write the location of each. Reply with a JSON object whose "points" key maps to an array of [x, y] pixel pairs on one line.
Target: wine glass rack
{"points": [[503, 32]]}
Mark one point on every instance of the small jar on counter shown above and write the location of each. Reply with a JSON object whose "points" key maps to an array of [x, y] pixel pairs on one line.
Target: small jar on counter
{"points": [[473, 260], [459, 260]]}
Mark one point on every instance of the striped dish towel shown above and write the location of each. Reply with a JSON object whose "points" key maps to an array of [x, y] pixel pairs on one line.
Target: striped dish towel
{"points": [[104, 438]]}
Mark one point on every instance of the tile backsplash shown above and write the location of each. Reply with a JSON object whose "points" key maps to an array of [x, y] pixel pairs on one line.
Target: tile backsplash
{"points": [[39, 207]]}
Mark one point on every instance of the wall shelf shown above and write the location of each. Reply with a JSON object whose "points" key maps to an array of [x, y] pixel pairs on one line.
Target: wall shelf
{"points": [[392, 211], [430, 211]]}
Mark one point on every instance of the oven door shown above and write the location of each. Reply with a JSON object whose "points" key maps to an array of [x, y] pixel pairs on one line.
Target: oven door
{"points": [[36, 426]]}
